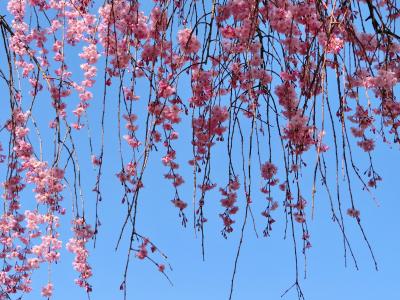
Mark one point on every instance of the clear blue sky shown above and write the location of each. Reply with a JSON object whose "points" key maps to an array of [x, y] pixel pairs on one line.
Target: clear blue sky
{"points": [[266, 265]]}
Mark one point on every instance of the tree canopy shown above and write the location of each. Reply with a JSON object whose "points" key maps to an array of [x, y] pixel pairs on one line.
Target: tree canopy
{"points": [[286, 97]]}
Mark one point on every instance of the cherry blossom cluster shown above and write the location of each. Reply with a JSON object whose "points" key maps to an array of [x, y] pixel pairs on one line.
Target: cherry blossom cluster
{"points": [[77, 245], [269, 172], [19, 241], [229, 203]]}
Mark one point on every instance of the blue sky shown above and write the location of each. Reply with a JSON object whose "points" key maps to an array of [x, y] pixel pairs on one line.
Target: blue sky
{"points": [[266, 265]]}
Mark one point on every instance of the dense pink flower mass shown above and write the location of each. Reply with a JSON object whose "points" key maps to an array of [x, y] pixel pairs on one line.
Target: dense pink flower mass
{"points": [[268, 170], [188, 41], [255, 94]]}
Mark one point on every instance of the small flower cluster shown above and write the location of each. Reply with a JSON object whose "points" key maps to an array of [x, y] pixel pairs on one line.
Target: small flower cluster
{"points": [[297, 132], [77, 245], [268, 172], [188, 41], [229, 194], [364, 121]]}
